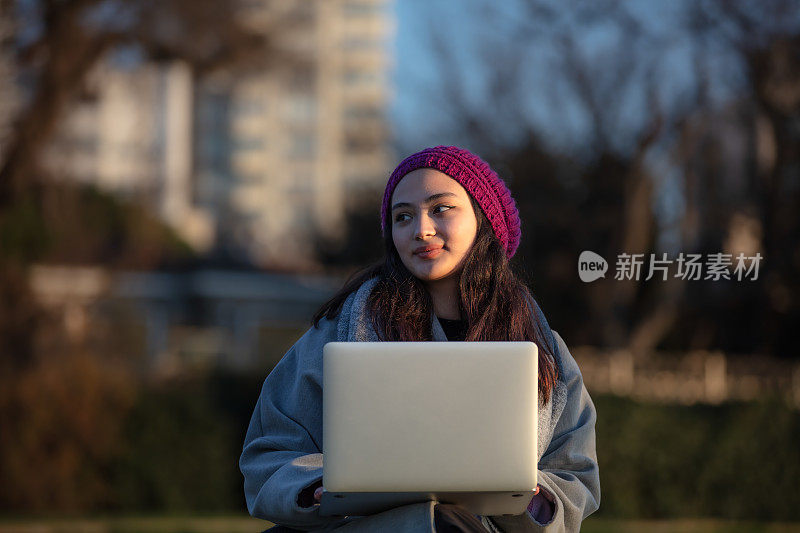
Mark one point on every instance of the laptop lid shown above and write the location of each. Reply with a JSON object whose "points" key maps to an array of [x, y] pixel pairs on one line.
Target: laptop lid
{"points": [[430, 417]]}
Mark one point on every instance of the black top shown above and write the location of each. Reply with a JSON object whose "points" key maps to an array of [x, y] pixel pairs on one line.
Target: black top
{"points": [[454, 330]]}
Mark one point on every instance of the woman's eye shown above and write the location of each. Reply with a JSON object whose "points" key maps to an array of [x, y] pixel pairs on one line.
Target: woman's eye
{"points": [[446, 207], [399, 217]]}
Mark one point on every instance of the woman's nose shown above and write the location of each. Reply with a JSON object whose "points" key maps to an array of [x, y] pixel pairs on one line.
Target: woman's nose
{"points": [[425, 227]]}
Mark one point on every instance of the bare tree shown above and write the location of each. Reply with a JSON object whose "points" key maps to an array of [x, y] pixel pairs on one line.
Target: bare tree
{"points": [[763, 42], [53, 46], [59, 42], [618, 75]]}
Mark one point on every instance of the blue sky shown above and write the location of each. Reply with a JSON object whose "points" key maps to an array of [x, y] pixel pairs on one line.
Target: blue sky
{"points": [[420, 116], [547, 101]]}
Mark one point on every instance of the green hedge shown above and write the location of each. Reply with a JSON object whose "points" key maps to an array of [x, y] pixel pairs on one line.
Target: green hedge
{"points": [[182, 446], [738, 461]]}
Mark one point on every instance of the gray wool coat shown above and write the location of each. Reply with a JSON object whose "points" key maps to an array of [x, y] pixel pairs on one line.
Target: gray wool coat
{"points": [[282, 447]]}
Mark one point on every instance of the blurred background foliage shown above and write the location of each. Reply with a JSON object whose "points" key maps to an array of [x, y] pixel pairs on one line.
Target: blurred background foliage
{"points": [[645, 128], [58, 224], [175, 449]]}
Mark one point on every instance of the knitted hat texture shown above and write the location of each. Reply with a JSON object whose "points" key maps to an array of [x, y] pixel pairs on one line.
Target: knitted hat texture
{"points": [[475, 175]]}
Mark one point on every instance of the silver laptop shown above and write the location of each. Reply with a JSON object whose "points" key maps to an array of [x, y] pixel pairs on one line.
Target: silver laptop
{"points": [[406, 422]]}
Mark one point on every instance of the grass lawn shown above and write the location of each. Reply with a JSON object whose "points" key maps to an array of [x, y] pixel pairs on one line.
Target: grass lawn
{"points": [[135, 524], [601, 525], [239, 524]]}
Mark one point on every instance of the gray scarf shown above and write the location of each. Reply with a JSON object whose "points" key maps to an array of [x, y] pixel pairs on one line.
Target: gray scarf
{"points": [[359, 326], [355, 325]]}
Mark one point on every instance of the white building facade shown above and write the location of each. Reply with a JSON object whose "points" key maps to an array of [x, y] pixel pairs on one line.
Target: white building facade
{"points": [[258, 164]]}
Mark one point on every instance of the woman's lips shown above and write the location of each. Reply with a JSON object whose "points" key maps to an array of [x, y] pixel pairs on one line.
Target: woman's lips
{"points": [[430, 254]]}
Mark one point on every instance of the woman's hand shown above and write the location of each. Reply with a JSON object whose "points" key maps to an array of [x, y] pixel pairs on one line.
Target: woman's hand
{"points": [[541, 507], [310, 495]]}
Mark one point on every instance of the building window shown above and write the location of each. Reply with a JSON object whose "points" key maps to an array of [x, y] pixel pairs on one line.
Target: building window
{"points": [[249, 144], [249, 106], [302, 184], [302, 79], [302, 146], [359, 113], [355, 8], [211, 130], [360, 143], [301, 108], [361, 43], [249, 177], [361, 77]]}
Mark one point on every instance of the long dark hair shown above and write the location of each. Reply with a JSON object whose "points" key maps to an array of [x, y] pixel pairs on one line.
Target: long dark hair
{"points": [[493, 300]]}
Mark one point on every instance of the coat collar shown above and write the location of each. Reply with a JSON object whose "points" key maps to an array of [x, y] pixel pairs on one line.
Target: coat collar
{"points": [[355, 323]]}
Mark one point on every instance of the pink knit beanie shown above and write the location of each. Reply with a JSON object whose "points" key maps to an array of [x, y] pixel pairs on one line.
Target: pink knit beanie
{"points": [[475, 175]]}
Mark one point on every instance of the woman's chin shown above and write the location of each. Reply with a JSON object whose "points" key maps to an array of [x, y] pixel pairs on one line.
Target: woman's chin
{"points": [[429, 270], [430, 275]]}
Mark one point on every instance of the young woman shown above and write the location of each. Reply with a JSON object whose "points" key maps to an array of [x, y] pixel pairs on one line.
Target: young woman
{"points": [[450, 227]]}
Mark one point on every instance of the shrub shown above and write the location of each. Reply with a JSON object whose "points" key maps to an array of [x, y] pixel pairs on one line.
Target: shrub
{"points": [[737, 460]]}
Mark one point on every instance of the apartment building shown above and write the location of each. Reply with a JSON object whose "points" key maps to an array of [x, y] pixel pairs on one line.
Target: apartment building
{"points": [[257, 164]]}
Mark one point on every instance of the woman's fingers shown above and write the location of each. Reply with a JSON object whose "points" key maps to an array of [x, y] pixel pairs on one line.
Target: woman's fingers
{"points": [[318, 494]]}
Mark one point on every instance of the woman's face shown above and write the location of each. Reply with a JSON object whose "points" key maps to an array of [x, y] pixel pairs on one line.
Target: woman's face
{"points": [[433, 224]]}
